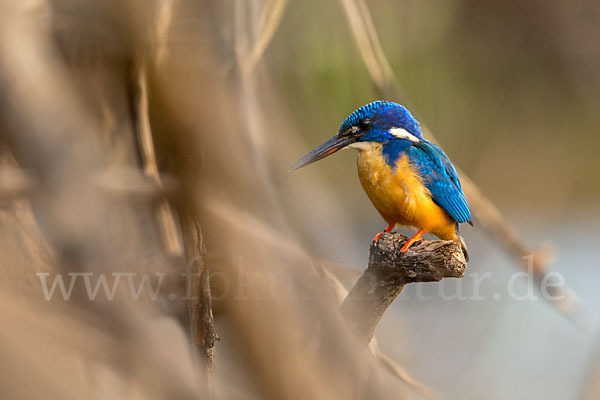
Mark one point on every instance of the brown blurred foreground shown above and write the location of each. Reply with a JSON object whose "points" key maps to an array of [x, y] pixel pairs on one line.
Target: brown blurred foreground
{"points": [[96, 98]]}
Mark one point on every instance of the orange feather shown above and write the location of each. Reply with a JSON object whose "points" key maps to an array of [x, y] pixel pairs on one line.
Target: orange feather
{"points": [[399, 194]]}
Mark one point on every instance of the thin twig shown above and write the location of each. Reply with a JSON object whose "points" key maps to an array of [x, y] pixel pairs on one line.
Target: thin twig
{"points": [[202, 331]]}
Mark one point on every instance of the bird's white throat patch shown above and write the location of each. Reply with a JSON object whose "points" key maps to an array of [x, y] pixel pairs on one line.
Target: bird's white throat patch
{"points": [[361, 146], [403, 134]]}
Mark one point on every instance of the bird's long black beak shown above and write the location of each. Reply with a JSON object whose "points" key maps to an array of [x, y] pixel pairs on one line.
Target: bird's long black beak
{"points": [[330, 146]]}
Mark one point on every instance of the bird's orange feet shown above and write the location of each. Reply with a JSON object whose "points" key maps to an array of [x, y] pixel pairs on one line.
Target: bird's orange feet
{"points": [[412, 240], [388, 230]]}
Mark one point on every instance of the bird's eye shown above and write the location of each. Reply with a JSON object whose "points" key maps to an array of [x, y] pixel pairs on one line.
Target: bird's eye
{"points": [[365, 123], [361, 125]]}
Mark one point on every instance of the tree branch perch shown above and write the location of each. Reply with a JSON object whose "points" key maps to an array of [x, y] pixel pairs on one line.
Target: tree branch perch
{"points": [[389, 271]]}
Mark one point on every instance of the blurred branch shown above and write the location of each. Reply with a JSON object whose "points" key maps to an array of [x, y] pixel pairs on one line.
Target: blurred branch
{"points": [[163, 24], [45, 121], [202, 330], [168, 227], [389, 271], [14, 183], [494, 223], [341, 271], [273, 237], [199, 305], [267, 26], [51, 131], [397, 370], [384, 360], [247, 55], [365, 35]]}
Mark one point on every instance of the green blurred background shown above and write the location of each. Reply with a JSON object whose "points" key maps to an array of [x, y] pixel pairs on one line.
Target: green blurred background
{"points": [[509, 88]]}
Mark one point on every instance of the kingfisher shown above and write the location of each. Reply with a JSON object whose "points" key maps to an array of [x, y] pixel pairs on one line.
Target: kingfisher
{"points": [[410, 181]]}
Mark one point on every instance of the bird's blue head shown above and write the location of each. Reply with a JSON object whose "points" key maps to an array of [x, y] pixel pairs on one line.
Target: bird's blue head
{"points": [[381, 121]]}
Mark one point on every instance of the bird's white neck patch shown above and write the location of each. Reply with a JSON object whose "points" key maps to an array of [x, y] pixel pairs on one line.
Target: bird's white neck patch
{"points": [[403, 134]]}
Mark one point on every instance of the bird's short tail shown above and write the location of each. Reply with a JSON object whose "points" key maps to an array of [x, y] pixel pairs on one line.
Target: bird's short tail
{"points": [[464, 248]]}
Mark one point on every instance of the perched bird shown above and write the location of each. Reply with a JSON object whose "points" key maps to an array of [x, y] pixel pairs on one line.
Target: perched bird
{"points": [[409, 180]]}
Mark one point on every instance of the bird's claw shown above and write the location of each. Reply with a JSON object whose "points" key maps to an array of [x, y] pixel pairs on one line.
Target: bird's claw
{"points": [[376, 238], [409, 243]]}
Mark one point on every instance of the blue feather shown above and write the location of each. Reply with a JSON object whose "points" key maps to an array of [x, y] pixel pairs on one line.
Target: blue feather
{"points": [[394, 149], [440, 178]]}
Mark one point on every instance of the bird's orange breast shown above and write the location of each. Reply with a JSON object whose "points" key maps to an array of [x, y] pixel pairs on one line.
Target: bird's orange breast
{"points": [[399, 194]]}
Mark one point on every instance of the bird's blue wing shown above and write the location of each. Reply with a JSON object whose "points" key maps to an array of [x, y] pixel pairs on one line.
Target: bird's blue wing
{"points": [[440, 178]]}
